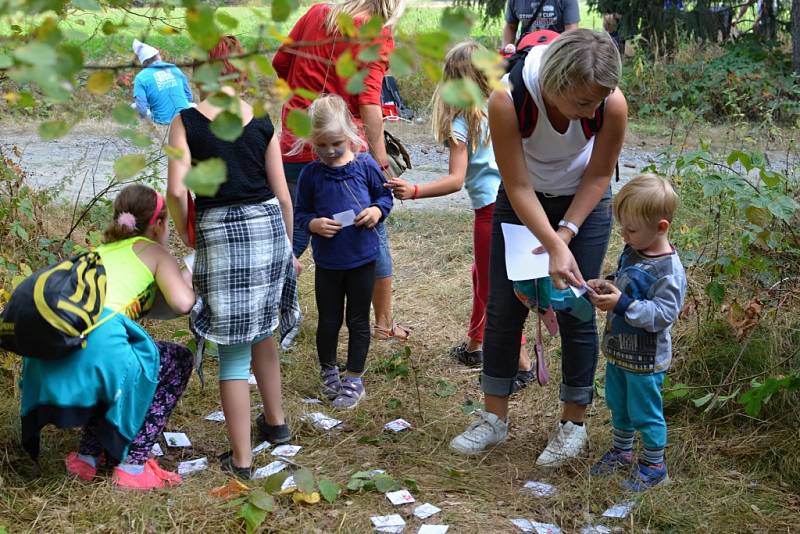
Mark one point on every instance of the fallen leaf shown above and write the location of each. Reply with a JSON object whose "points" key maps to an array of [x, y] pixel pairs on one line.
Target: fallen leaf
{"points": [[299, 497], [229, 490]]}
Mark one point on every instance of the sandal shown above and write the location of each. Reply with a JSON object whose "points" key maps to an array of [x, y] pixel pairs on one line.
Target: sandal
{"points": [[398, 332], [524, 378]]}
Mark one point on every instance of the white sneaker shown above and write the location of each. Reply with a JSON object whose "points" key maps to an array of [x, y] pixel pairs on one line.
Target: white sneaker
{"points": [[567, 443], [484, 433]]}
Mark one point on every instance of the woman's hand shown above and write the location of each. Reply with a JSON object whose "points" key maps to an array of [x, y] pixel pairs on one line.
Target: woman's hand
{"points": [[368, 217], [564, 269], [401, 189], [563, 233], [324, 227], [298, 267]]}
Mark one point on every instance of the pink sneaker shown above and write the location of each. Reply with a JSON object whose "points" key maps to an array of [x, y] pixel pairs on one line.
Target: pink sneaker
{"points": [[147, 480], [78, 467], [170, 478]]}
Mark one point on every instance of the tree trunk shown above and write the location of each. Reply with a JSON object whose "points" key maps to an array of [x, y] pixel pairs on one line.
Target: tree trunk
{"points": [[796, 36]]}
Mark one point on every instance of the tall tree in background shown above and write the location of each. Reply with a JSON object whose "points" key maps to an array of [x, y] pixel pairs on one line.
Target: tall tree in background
{"points": [[796, 36]]}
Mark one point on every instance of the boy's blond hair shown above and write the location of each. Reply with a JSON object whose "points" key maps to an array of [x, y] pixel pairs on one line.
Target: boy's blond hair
{"points": [[646, 198]]}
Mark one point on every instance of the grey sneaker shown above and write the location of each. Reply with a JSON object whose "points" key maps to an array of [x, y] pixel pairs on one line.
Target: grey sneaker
{"points": [[331, 384], [350, 393], [567, 442], [481, 435]]}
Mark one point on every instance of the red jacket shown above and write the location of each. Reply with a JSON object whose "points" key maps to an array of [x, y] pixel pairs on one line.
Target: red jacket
{"points": [[308, 73]]}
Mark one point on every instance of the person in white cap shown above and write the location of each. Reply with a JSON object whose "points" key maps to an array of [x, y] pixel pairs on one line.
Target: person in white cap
{"points": [[161, 89]]}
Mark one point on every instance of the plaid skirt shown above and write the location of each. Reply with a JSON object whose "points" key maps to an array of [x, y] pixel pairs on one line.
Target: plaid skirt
{"points": [[243, 264]]}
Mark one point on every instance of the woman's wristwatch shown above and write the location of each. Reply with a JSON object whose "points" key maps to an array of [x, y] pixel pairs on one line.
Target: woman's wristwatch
{"points": [[563, 223]]}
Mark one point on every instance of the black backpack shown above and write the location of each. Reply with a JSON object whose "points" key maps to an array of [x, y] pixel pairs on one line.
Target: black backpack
{"points": [[390, 92]]}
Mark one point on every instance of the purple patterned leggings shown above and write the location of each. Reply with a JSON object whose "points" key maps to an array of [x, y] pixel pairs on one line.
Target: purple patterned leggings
{"points": [[173, 375]]}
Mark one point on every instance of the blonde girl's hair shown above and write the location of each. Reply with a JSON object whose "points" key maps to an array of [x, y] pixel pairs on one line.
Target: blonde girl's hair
{"points": [[457, 65], [330, 116], [577, 59], [388, 10], [646, 199], [133, 209]]}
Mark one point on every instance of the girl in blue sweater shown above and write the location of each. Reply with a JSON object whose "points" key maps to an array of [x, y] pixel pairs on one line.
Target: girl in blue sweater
{"points": [[340, 199]]}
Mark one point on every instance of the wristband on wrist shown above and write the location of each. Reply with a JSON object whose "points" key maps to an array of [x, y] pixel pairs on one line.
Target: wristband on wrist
{"points": [[416, 192], [563, 223], [384, 166]]}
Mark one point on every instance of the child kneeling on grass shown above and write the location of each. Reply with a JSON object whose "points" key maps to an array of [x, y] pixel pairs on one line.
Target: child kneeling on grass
{"points": [[642, 303], [340, 199]]}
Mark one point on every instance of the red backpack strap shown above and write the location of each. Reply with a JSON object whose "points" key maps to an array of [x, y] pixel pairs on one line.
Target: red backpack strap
{"points": [[593, 125], [525, 107]]}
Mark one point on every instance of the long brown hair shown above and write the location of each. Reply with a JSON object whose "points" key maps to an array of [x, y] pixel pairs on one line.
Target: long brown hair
{"points": [[227, 46], [133, 209]]}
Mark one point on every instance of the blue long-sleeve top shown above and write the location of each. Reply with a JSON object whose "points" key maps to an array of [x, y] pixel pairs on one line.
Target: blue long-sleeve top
{"points": [[638, 330], [160, 91], [323, 191]]}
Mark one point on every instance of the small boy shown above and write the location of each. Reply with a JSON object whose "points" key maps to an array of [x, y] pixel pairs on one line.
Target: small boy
{"points": [[642, 303]]}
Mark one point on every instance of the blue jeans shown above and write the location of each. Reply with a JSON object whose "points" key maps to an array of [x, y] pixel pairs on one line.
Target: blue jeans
{"points": [[505, 314], [300, 236], [635, 403]]}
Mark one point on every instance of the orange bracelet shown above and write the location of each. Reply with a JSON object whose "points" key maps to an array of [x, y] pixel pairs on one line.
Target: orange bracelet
{"points": [[416, 192]]}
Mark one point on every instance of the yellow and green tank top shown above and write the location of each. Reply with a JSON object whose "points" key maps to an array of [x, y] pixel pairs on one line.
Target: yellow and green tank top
{"points": [[130, 287]]}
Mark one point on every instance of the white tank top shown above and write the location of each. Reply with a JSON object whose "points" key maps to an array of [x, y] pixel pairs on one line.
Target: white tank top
{"points": [[556, 162]]}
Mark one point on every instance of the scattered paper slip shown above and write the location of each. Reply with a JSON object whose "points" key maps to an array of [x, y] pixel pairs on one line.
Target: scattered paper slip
{"points": [[521, 262], [595, 529], [192, 466], [321, 420], [345, 218], [578, 291], [217, 416], [388, 523], [288, 484], [400, 497], [156, 450], [526, 525], [538, 489], [311, 400], [433, 529], [424, 511], [252, 380], [375, 472], [177, 439], [286, 450], [398, 425], [261, 446], [189, 262], [620, 510], [269, 469]]}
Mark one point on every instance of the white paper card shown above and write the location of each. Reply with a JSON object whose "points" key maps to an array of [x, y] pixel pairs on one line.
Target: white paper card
{"points": [[595, 529], [392, 521], [286, 450], [269, 469], [433, 529], [252, 380], [261, 446], [177, 439], [424, 511], [578, 291], [390, 530], [320, 420], [311, 400], [345, 218], [538, 489], [189, 262], [521, 262], [398, 425], [217, 416], [400, 497], [192, 466], [376, 472], [620, 510], [526, 525], [156, 450], [288, 483]]}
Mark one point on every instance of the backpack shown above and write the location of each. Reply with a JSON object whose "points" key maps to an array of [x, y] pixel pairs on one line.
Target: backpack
{"points": [[390, 94], [524, 105], [51, 312]]}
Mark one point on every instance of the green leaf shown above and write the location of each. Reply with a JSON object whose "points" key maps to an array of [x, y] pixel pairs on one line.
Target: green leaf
{"points": [[304, 480], [201, 26], [411, 484], [470, 406], [346, 25], [370, 53], [445, 389], [703, 400], [53, 130], [281, 9], [463, 93], [366, 475], [355, 85], [207, 76], [716, 292], [263, 65], [394, 404], [457, 21], [138, 139], [262, 500], [298, 121], [329, 490], [305, 93], [433, 45], [206, 177], [770, 178], [125, 114], [173, 152], [371, 29], [227, 20], [87, 5], [253, 516], [346, 65], [129, 165], [384, 483], [744, 159], [355, 484], [401, 62], [227, 126], [222, 100], [275, 481], [38, 54], [5, 61]]}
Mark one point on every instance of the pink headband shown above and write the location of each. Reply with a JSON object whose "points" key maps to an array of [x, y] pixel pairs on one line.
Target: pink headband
{"points": [[159, 207]]}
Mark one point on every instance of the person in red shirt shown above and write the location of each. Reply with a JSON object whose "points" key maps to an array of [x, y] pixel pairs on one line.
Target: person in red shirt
{"points": [[308, 61]]}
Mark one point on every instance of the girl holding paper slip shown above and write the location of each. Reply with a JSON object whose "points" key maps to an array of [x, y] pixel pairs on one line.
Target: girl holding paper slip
{"points": [[340, 199], [556, 168]]}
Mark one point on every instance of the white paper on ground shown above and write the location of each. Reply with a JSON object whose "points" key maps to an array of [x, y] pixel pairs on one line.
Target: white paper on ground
{"points": [[192, 466], [400, 497], [376, 472], [177, 439], [252, 380], [538, 489], [424, 511], [261, 446], [595, 529], [269, 469], [526, 525], [189, 262], [320, 420], [390, 530], [288, 483], [433, 529], [398, 425], [311, 400], [156, 450], [388, 521], [345, 218], [217, 416], [286, 450], [620, 510], [521, 262]]}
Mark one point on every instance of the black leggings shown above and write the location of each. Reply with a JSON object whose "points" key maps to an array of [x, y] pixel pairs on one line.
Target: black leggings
{"points": [[331, 288]]}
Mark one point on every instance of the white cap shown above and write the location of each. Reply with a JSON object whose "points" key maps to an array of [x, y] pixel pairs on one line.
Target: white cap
{"points": [[143, 51]]}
